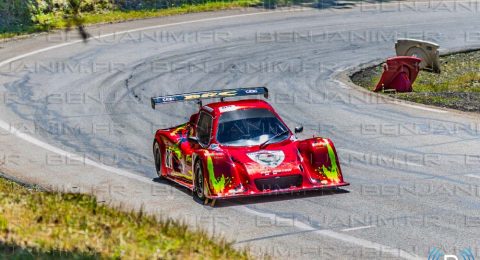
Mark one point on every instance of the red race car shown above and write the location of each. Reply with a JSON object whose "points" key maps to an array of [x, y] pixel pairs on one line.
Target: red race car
{"points": [[241, 148]]}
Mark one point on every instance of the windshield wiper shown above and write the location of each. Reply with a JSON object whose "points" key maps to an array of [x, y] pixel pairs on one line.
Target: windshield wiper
{"points": [[262, 145]]}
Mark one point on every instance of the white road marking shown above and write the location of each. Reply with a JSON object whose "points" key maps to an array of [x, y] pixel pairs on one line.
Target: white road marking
{"points": [[341, 84], [342, 237], [199, 21], [356, 228], [71, 156], [421, 107], [396, 252], [7, 127], [473, 176], [143, 29], [328, 233]]}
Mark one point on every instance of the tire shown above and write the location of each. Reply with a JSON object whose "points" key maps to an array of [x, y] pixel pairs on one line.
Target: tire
{"points": [[157, 155], [199, 187]]}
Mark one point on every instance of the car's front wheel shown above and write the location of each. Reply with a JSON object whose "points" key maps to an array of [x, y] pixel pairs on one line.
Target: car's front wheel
{"points": [[199, 187], [157, 154]]}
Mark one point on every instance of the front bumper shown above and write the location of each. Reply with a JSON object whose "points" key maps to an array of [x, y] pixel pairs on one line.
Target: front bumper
{"points": [[252, 193]]}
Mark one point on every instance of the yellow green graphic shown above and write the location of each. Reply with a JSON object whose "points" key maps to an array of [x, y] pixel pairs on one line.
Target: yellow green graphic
{"points": [[174, 148], [182, 175], [179, 128], [332, 173], [218, 185]]}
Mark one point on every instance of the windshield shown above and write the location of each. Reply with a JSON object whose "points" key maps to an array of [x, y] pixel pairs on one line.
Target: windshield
{"points": [[249, 127]]}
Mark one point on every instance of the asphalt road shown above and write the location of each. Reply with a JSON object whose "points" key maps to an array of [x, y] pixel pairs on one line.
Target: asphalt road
{"points": [[414, 171]]}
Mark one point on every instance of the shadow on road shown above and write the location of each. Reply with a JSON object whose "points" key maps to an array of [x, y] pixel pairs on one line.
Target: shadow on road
{"points": [[279, 197], [326, 4], [258, 198]]}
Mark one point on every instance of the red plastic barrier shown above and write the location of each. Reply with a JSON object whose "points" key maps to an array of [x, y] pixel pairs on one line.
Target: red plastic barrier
{"points": [[399, 73]]}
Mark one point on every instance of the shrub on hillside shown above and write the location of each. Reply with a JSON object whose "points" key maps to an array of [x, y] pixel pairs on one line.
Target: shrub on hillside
{"points": [[14, 14]]}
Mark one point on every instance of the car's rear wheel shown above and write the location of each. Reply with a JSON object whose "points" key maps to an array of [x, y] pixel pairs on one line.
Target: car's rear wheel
{"points": [[199, 187], [157, 154]]}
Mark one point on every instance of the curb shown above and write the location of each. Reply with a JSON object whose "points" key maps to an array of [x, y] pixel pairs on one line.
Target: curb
{"points": [[22, 183]]}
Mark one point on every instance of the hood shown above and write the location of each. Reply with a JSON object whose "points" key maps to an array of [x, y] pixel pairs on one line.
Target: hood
{"points": [[271, 160]]}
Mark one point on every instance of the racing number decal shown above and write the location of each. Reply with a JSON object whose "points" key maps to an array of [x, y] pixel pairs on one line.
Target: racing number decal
{"points": [[169, 158]]}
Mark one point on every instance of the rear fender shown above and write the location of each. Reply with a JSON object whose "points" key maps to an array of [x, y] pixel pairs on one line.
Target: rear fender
{"points": [[320, 157], [172, 155], [174, 148], [163, 143]]}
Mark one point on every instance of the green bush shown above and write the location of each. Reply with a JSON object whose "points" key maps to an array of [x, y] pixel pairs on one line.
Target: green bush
{"points": [[14, 15], [47, 14]]}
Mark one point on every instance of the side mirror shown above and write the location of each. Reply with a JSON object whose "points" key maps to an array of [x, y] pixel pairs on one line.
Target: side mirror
{"points": [[299, 129]]}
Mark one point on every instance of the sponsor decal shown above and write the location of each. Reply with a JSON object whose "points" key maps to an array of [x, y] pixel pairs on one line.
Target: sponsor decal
{"points": [[228, 108], [317, 144], [168, 159], [438, 254], [211, 95], [215, 147], [167, 99], [267, 158]]}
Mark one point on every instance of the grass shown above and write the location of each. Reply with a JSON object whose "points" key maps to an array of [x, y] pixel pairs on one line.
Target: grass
{"points": [[460, 73], [457, 86], [54, 21], [36, 224]]}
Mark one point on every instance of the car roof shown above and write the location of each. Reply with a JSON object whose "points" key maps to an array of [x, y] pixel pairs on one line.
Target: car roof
{"points": [[218, 108]]}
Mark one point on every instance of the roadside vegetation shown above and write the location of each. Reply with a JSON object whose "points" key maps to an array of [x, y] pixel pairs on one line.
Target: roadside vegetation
{"points": [[457, 86], [36, 224], [19, 17]]}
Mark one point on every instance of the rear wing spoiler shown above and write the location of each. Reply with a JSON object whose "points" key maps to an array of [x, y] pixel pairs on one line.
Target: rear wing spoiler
{"points": [[224, 93]]}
